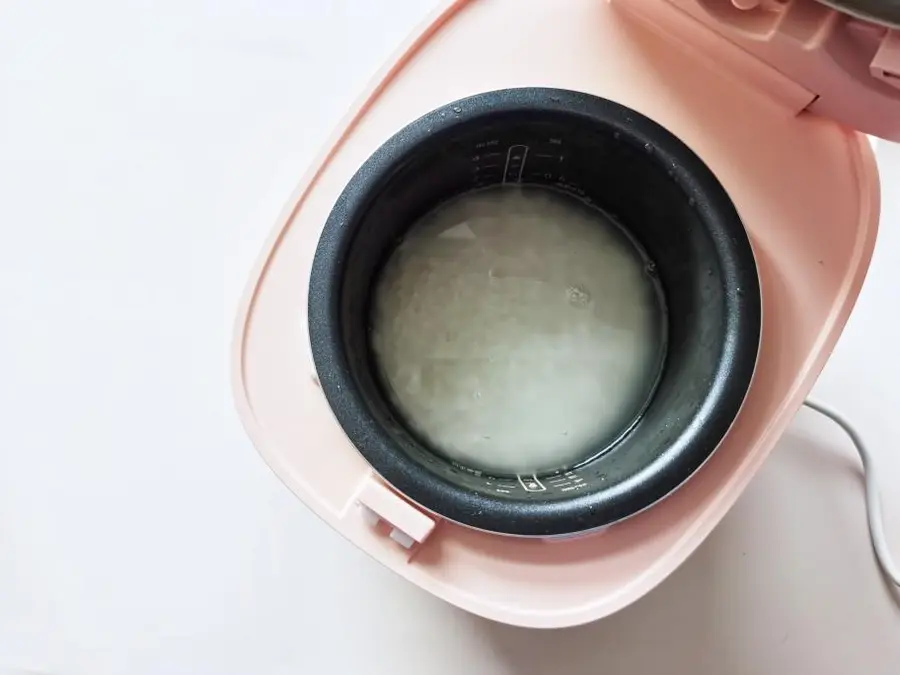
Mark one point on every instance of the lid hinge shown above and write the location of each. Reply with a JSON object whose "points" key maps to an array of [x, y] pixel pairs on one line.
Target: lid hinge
{"points": [[849, 67], [886, 64]]}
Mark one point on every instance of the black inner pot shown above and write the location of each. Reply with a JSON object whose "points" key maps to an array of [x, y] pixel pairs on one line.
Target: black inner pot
{"points": [[635, 171]]}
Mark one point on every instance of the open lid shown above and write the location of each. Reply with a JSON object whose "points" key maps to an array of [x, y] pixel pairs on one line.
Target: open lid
{"points": [[884, 12], [847, 67]]}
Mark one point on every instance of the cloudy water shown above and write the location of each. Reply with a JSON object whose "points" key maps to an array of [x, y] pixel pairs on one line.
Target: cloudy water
{"points": [[516, 330]]}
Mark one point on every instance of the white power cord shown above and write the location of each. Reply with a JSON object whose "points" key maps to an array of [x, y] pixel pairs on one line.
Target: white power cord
{"points": [[873, 502]]}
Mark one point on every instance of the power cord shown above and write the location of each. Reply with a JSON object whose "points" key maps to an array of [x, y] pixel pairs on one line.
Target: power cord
{"points": [[873, 503]]}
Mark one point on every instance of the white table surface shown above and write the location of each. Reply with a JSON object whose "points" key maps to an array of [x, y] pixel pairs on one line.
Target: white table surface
{"points": [[145, 151]]}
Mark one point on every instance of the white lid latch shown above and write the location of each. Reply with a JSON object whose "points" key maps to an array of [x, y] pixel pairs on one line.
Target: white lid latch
{"points": [[408, 524]]}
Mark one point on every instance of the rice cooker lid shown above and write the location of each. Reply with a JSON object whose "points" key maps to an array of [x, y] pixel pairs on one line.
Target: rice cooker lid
{"points": [[842, 57], [884, 12]]}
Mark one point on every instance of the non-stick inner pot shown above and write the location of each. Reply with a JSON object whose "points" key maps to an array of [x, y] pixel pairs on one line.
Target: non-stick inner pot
{"points": [[639, 174]]}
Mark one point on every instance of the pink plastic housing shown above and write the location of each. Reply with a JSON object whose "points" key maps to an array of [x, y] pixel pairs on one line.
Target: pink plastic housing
{"points": [[806, 188]]}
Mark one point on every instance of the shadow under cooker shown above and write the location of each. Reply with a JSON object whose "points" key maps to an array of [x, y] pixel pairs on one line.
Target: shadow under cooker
{"points": [[632, 169]]}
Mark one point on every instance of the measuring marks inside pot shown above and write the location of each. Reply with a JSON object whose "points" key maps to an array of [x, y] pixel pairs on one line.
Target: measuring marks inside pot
{"points": [[543, 162]]}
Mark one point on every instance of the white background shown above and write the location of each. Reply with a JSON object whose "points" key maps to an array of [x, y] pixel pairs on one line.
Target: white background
{"points": [[145, 152]]}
